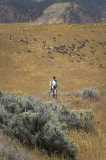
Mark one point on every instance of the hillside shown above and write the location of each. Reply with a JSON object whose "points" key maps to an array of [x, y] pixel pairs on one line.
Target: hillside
{"points": [[76, 54], [52, 11], [26, 50]]}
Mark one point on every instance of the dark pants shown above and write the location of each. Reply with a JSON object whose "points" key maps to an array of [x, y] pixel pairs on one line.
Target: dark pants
{"points": [[54, 92]]}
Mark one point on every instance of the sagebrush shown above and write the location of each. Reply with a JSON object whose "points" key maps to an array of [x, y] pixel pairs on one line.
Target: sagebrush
{"points": [[39, 124]]}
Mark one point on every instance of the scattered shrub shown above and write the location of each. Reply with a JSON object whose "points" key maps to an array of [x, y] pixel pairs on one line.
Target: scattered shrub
{"points": [[89, 93], [9, 152], [78, 119]]}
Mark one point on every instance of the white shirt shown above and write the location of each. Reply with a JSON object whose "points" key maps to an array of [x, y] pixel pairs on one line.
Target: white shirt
{"points": [[52, 83]]}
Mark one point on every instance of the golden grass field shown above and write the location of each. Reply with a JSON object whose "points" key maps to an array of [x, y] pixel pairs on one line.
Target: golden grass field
{"points": [[26, 67]]}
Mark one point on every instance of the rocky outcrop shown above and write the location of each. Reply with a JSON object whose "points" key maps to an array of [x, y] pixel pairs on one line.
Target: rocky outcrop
{"points": [[63, 13], [56, 13]]}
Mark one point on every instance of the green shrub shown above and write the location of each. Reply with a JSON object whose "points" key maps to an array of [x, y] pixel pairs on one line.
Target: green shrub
{"points": [[10, 152], [89, 93], [78, 119], [42, 124], [35, 123]]}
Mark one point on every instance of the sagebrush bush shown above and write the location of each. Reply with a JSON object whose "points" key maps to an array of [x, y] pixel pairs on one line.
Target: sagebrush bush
{"points": [[78, 119], [89, 93], [9, 152], [41, 124]]}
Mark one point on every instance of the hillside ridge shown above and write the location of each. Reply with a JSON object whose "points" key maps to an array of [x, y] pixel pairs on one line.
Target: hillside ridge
{"points": [[52, 11]]}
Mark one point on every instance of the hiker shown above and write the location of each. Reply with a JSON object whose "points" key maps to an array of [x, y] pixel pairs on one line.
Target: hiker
{"points": [[53, 87]]}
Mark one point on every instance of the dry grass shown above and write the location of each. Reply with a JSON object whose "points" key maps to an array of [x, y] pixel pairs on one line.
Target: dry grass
{"points": [[93, 144], [26, 68], [90, 145]]}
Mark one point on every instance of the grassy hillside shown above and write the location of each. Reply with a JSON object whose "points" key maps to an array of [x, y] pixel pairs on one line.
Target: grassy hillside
{"points": [[30, 55]]}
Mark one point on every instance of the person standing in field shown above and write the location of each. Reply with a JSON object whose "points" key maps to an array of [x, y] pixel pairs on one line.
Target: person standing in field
{"points": [[53, 87]]}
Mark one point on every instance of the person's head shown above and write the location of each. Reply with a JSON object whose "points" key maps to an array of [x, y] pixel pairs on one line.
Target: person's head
{"points": [[54, 77]]}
